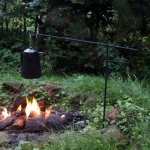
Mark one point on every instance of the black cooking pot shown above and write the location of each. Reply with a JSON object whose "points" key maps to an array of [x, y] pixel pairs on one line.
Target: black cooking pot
{"points": [[30, 64]]}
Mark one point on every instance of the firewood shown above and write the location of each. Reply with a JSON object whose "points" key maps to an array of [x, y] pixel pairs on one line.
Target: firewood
{"points": [[1, 117], [34, 124], [19, 101], [42, 113], [6, 122], [16, 114], [42, 105], [19, 123], [34, 114], [55, 123]]}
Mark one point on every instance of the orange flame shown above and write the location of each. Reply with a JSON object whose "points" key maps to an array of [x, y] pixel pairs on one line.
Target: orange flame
{"points": [[47, 112], [5, 114], [32, 107], [19, 108]]}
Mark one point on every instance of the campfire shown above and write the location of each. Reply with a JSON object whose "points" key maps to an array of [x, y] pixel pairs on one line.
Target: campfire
{"points": [[32, 116]]}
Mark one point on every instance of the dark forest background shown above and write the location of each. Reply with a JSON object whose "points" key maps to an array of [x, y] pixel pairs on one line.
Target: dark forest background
{"points": [[117, 22]]}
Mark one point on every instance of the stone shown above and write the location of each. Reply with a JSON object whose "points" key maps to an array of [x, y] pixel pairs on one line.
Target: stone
{"points": [[23, 137], [35, 137], [47, 86], [14, 96], [13, 85], [112, 115], [51, 90], [32, 92], [113, 131], [5, 136]]}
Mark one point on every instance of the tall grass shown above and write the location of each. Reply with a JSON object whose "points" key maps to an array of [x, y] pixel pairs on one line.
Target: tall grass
{"points": [[79, 141], [91, 89]]}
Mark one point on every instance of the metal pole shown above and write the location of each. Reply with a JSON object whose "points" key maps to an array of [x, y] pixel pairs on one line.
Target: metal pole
{"points": [[107, 60], [105, 92], [83, 41]]}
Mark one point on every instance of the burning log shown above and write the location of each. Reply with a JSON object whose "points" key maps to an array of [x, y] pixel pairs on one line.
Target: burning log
{"points": [[35, 124], [39, 123], [16, 114], [55, 123], [5, 119], [19, 101], [34, 114], [42, 105], [27, 116], [58, 122], [6, 122], [19, 123]]}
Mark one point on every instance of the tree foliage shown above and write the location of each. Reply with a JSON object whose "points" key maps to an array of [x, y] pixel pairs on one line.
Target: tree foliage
{"points": [[118, 22]]}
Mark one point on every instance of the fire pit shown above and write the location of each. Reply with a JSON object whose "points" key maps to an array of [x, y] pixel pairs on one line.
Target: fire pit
{"points": [[33, 116]]}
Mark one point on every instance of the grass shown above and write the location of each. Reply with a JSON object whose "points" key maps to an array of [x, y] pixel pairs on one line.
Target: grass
{"points": [[92, 86], [70, 141], [75, 141], [88, 93]]}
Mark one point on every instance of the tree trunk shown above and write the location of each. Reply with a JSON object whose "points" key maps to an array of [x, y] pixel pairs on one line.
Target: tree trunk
{"points": [[2, 24], [42, 29], [36, 22], [36, 25], [24, 24], [4, 10], [6, 24]]}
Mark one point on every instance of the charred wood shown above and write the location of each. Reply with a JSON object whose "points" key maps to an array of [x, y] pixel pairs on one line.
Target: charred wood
{"points": [[42, 105], [19, 123], [34, 124], [55, 123], [16, 114], [6, 122], [19, 101]]}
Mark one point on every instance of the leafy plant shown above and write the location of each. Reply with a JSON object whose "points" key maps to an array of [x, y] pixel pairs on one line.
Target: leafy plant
{"points": [[9, 61]]}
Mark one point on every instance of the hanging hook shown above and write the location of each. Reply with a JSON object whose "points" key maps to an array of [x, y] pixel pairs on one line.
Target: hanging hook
{"points": [[30, 32]]}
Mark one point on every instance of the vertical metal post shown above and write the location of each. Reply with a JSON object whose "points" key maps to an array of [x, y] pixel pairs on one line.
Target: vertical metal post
{"points": [[105, 92], [131, 55]]}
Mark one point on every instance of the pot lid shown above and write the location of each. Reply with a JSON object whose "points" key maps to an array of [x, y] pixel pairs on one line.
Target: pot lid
{"points": [[30, 50]]}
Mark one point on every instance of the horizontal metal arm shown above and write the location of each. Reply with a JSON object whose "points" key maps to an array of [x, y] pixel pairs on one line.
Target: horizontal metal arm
{"points": [[83, 41]]}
